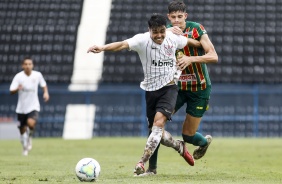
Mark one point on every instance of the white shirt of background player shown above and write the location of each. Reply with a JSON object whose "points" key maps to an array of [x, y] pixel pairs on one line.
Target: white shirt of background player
{"points": [[28, 96]]}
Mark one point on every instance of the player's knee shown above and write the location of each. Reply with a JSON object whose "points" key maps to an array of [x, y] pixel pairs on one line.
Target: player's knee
{"points": [[31, 123], [159, 120], [159, 123]]}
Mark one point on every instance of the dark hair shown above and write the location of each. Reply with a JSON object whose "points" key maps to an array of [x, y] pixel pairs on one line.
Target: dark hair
{"points": [[176, 5], [25, 58], [157, 20]]}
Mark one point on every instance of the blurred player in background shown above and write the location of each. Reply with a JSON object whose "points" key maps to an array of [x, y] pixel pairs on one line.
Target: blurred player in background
{"points": [[194, 83], [25, 83], [156, 50]]}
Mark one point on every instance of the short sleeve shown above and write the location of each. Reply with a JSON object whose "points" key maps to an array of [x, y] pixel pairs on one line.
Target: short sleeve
{"points": [[135, 42], [15, 83], [198, 31], [181, 41], [42, 82], [201, 30]]}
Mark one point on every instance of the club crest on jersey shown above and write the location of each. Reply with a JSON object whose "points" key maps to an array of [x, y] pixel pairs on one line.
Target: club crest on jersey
{"points": [[168, 49]]}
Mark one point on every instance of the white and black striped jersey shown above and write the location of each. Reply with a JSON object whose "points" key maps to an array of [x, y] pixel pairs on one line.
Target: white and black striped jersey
{"points": [[158, 61]]}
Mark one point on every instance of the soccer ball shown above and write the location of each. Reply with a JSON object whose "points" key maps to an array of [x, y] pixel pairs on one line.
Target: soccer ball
{"points": [[87, 169]]}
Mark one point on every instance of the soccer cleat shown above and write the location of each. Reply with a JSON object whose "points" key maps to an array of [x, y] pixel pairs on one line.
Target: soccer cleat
{"points": [[149, 172], [201, 150], [29, 143], [25, 152], [139, 168], [185, 154]]}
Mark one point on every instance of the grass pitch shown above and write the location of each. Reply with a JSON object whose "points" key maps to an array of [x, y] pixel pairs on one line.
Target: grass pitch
{"points": [[228, 160]]}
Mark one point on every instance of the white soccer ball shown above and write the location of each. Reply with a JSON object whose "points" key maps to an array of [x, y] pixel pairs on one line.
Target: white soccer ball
{"points": [[87, 169]]}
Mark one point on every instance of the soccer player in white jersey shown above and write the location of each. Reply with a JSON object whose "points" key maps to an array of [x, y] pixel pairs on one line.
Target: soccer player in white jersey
{"points": [[25, 83], [156, 50]]}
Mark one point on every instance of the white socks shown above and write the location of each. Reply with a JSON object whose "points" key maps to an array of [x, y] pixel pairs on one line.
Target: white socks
{"points": [[24, 140], [168, 141], [152, 143]]}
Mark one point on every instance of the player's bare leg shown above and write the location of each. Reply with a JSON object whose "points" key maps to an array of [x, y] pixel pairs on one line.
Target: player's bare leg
{"points": [[190, 135]]}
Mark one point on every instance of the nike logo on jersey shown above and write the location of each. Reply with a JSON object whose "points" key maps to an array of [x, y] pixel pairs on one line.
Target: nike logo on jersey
{"points": [[188, 33], [167, 110]]}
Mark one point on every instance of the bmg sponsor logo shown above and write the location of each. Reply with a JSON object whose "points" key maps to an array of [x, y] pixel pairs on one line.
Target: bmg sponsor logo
{"points": [[160, 63]]}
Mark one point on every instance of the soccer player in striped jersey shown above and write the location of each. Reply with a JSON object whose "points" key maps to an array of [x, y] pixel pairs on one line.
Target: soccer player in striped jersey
{"points": [[194, 83], [156, 50], [25, 83]]}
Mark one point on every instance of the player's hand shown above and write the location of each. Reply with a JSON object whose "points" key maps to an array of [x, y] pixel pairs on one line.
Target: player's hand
{"points": [[45, 97], [183, 62], [20, 87], [95, 49], [175, 30]]}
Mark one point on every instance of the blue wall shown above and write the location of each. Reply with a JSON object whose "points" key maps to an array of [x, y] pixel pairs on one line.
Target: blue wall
{"points": [[235, 111]]}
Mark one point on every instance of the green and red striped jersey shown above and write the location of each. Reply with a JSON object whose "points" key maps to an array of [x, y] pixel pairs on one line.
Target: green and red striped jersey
{"points": [[195, 77]]}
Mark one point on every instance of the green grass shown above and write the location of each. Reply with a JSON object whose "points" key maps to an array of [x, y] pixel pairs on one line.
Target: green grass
{"points": [[228, 160]]}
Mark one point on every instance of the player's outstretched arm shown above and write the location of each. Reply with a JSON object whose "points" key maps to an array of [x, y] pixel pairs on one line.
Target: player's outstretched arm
{"points": [[115, 46]]}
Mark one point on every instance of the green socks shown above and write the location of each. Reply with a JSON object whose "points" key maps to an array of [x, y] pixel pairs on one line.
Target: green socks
{"points": [[197, 140]]}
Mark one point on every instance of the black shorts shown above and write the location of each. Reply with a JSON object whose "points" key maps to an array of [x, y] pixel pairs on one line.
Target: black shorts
{"points": [[22, 118], [162, 100]]}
